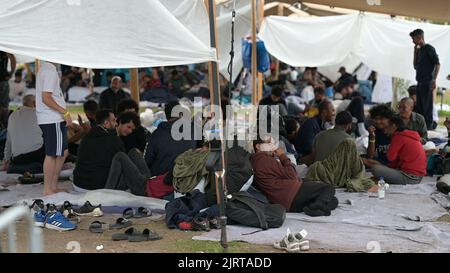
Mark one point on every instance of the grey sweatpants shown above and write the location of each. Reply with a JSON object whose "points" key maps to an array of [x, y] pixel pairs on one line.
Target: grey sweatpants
{"points": [[128, 172], [394, 176]]}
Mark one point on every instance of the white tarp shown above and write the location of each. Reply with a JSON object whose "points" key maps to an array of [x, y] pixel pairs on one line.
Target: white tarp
{"points": [[380, 42], [242, 28], [100, 34]]}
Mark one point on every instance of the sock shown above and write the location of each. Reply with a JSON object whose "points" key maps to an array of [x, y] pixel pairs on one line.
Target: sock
{"points": [[362, 130]]}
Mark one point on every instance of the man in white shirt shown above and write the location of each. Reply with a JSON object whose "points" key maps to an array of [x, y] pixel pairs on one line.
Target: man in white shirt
{"points": [[24, 142], [53, 118]]}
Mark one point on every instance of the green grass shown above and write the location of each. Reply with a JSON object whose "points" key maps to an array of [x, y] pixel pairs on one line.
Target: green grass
{"points": [[192, 246]]}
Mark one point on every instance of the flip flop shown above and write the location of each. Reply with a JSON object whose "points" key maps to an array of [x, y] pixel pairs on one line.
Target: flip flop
{"points": [[142, 212], [121, 223], [128, 213], [146, 235], [29, 178], [98, 227], [124, 236]]}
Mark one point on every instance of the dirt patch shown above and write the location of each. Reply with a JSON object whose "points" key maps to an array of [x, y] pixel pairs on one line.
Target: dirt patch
{"points": [[82, 240]]}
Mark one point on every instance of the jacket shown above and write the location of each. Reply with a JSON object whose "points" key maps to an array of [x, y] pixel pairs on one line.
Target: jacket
{"points": [[162, 150], [95, 154], [407, 154], [277, 180]]}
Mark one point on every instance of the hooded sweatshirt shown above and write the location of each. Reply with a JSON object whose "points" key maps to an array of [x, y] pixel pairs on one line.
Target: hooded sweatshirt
{"points": [[162, 150], [95, 154], [276, 179], [407, 154]]}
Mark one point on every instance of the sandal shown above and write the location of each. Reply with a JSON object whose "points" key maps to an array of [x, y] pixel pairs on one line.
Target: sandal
{"points": [[124, 236], [146, 235], [121, 223], [142, 212], [128, 213], [29, 178], [98, 227]]}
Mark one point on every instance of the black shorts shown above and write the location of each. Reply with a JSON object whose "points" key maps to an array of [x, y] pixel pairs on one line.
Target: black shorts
{"points": [[55, 138]]}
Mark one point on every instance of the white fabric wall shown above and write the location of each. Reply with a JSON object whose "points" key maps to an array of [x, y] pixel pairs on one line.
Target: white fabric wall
{"points": [[378, 41], [100, 34], [242, 28]]}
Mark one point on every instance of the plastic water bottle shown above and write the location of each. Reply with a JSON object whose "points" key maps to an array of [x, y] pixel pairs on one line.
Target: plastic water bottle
{"points": [[381, 188]]}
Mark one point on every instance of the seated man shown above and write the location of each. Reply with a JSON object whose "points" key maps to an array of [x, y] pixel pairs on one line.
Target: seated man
{"points": [[110, 98], [313, 107], [278, 181], [354, 103], [138, 138], [311, 127], [98, 149], [326, 142], [276, 98], [24, 149], [90, 109], [413, 121], [408, 162], [378, 140], [162, 149]]}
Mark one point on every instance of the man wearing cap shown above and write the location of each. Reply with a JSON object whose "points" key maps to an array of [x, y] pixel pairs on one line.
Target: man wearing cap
{"points": [[426, 64]]}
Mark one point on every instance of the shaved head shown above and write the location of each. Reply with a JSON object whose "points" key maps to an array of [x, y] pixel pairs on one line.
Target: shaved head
{"points": [[406, 108], [408, 101]]}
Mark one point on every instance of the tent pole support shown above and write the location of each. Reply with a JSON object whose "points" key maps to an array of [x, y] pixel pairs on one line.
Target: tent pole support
{"points": [[254, 57], [214, 85], [134, 84]]}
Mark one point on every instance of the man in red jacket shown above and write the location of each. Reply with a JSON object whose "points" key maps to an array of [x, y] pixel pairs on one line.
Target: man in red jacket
{"points": [[278, 180], [408, 162]]}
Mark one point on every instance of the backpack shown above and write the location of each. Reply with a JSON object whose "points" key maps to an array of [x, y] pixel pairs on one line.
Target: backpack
{"points": [[438, 165], [245, 210]]}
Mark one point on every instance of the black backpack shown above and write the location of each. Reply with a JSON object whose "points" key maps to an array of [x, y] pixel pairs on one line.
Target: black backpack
{"points": [[246, 210]]}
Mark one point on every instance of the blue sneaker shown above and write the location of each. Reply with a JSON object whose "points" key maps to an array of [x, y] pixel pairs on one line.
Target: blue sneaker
{"points": [[39, 218], [57, 221]]}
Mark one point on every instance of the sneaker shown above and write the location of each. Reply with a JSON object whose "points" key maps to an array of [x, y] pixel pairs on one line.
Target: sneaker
{"points": [[185, 225], [67, 210], [57, 221], [200, 224], [39, 218], [38, 205], [89, 210], [214, 222]]}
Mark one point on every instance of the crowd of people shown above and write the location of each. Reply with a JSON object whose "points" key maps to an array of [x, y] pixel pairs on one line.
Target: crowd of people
{"points": [[111, 149]]}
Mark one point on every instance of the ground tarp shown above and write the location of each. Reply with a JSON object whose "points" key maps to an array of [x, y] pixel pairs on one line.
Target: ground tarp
{"points": [[381, 42], [403, 222], [101, 34]]}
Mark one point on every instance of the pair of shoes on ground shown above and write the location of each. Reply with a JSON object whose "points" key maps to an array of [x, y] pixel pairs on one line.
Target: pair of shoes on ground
{"points": [[200, 223], [100, 227], [293, 242], [89, 210], [141, 212], [49, 217], [134, 235]]}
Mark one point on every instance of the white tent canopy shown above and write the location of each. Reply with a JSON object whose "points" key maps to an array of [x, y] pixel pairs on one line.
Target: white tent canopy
{"points": [[103, 34], [380, 42]]}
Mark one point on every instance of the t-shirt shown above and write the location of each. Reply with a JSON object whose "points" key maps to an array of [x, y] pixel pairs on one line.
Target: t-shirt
{"points": [[382, 142], [326, 142], [426, 60], [47, 80]]}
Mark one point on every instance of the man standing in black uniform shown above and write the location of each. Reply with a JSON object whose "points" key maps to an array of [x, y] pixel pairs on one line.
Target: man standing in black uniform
{"points": [[426, 64]]}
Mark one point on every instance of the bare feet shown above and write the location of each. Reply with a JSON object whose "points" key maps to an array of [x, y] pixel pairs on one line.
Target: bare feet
{"points": [[49, 192], [56, 190]]}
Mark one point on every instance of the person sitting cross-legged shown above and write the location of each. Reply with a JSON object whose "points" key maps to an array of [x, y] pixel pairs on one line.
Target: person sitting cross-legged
{"points": [[408, 163]]}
